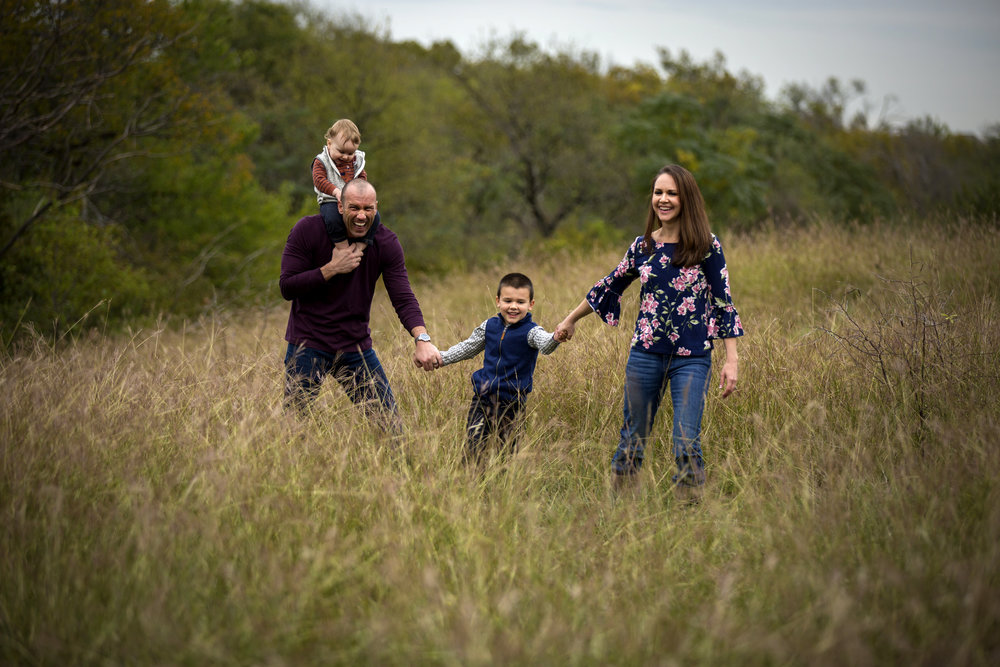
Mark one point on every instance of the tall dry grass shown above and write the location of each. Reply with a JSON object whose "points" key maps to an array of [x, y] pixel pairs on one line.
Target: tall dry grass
{"points": [[159, 507]]}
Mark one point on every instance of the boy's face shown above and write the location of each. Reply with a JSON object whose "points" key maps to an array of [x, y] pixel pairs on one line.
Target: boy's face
{"points": [[341, 149], [514, 303]]}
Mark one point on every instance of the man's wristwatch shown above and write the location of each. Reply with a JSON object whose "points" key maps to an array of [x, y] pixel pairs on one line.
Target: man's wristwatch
{"points": [[422, 338]]}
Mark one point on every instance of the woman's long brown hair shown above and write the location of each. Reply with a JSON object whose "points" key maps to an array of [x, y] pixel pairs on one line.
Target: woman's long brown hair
{"points": [[695, 234]]}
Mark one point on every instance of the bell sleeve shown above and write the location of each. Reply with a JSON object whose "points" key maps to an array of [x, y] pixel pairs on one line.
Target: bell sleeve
{"points": [[605, 297], [723, 320]]}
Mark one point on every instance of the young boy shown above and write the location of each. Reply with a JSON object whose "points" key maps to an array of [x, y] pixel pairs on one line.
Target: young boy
{"points": [[511, 343], [337, 163]]}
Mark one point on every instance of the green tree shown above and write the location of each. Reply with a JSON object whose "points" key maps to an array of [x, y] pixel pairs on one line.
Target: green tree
{"points": [[822, 138], [826, 109], [81, 86], [110, 109], [539, 128], [705, 119]]}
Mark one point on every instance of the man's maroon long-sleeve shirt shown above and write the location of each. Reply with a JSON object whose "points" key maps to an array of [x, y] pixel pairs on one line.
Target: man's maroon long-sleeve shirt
{"points": [[333, 315]]}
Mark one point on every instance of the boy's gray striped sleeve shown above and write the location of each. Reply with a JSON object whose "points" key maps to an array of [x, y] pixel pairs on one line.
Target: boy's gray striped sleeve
{"points": [[542, 340], [468, 348]]}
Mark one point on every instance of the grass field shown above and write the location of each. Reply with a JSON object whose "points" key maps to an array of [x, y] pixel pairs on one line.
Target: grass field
{"points": [[157, 506]]}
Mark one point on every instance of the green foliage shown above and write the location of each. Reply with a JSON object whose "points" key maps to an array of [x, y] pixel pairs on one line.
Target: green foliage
{"points": [[91, 85], [144, 151], [980, 193], [182, 134], [68, 270], [583, 239], [541, 151], [932, 170], [727, 99], [209, 225], [825, 109], [753, 160], [732, 172]]}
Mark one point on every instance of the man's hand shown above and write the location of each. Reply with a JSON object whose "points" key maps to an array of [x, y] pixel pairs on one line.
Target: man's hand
{"points": [[427, 356], [345, 258]]}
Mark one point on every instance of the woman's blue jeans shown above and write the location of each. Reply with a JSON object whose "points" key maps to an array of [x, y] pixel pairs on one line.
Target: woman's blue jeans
{"points": [[359, 373], [646, 377]]}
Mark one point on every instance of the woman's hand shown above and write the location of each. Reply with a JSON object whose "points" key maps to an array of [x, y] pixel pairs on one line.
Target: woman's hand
{"points": [[727, 381], [730, 369], [565, 330], [567, 327]]}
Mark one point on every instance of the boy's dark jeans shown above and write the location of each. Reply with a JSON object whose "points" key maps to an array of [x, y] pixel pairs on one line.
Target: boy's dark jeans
{"points": [[488, 416]]}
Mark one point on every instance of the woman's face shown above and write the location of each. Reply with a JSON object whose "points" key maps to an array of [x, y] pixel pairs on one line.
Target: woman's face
{"points": [[666, 200]]}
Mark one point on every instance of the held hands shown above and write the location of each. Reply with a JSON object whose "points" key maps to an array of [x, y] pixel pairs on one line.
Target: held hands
{"points": [[427, 356], [567, 327], [345, 258], [565, 330]]}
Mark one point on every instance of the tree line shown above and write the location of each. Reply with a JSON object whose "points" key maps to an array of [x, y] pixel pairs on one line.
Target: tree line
{"points": [[155, 153]]}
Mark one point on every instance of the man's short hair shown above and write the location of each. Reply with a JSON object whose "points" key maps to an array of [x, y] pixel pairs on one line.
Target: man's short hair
{"points": [[353, 184]]}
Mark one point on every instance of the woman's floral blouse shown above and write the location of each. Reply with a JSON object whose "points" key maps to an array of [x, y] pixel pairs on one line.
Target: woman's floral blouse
{"points": [[680, 309]]}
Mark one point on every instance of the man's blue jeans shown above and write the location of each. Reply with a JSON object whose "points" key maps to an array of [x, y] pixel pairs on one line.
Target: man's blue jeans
{"points": [[646, 377], [359, 373]]}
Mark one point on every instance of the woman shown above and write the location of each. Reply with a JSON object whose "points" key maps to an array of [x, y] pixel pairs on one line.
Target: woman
{"points": [[685, 303]]}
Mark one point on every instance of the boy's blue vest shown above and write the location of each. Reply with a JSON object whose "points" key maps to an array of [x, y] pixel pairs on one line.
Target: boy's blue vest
{"points": [[508, 360]]}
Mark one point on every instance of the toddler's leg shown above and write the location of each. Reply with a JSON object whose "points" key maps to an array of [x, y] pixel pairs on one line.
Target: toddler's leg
{"points": [[334, 221]]}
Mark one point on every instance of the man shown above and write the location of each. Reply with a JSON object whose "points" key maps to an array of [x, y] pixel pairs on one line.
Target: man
{"points": [[331, 290]]}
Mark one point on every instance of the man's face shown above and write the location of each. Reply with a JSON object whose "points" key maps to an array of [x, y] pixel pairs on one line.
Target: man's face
{"points": [[358, 206]]}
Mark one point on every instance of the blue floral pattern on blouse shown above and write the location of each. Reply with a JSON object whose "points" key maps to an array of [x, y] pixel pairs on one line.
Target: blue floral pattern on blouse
{"points": [[681, 309]]}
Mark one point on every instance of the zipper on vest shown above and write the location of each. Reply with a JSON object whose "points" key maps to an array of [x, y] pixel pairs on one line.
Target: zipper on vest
{"points": [[496, 371]]}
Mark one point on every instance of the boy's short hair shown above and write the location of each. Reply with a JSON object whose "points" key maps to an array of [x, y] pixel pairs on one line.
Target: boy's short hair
{"points": [[345, 127], [517, 281]]}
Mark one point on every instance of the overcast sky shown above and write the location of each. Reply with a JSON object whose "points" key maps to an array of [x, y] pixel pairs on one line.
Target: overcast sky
{"points": [[938, 58]]}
